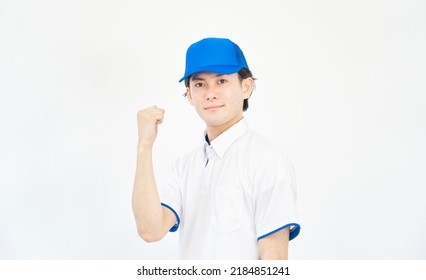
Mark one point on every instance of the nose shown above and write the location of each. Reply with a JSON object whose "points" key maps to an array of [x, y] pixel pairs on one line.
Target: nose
{"points": [[211, 93]]}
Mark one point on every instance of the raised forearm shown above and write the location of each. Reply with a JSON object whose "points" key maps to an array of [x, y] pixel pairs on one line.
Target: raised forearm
{"points": [[147, 209], [149, 214]]}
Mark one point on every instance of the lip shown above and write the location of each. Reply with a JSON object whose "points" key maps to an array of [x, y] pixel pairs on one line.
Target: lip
{"points": [[213, 107]]}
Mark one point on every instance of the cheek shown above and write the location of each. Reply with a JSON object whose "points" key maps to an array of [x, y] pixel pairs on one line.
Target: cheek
{"points": [[192, 98], [237, 98], [190, 101]]}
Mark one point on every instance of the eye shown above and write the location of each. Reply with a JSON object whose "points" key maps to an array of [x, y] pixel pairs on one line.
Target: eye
{"points": [[198, 85], [222, 81]]}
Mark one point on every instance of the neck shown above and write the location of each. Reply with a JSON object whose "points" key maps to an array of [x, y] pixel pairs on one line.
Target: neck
{"points": [[215, 131]]}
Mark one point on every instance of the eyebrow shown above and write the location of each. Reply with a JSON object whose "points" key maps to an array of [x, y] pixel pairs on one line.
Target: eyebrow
{"points": [[197, 78]]}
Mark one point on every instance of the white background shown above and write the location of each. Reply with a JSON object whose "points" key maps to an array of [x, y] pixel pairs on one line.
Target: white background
{"points": [[341, 88]]}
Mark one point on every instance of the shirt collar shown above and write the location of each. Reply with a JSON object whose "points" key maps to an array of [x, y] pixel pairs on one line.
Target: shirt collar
{"points": [[222, 143]]}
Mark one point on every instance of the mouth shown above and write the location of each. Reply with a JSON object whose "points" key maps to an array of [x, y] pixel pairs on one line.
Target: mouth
{"points": [[213, 107]]}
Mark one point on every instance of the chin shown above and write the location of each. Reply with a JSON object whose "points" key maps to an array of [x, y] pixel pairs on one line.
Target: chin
{"points": [[211, 121]]}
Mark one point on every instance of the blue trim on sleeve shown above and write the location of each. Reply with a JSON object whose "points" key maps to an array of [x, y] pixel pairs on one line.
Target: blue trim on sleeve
{"points": [[293, 232], [176, 226]]}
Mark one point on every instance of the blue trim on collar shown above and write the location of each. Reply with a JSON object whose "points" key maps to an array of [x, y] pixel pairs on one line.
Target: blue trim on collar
{"points": [[207, 139]]}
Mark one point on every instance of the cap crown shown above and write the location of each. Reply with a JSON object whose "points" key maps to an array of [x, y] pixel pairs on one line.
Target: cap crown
{"points": [[217, 55]]}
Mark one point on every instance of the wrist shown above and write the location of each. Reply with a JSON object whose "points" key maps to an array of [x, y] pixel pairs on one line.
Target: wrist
{"points": [[144, 147]]}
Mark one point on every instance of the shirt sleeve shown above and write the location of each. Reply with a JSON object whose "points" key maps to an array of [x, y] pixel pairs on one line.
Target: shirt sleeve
{"points": [[275, 197], [170, 195]]}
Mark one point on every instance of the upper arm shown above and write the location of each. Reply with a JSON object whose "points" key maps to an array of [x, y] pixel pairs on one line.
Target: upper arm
{"points": [[275, 208], [275, 246]]}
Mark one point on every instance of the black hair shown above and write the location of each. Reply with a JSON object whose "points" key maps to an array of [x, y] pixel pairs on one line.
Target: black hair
{"points": [[244, 73]]}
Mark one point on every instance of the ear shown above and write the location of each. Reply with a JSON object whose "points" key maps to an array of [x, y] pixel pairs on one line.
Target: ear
{"points": [[189, 96], [247, 85]]}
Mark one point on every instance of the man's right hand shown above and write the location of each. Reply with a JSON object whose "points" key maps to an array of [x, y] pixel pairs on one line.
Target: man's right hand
{"points": [[148, 120]]}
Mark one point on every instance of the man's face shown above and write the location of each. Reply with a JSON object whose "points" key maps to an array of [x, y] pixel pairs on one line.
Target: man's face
{"points": [[217, 98]]}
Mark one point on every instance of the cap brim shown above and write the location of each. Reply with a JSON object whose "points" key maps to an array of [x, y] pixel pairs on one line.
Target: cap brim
{"points": [[229, 69]]}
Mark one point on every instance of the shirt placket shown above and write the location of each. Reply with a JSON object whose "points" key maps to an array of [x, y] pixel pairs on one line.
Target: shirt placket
{"points": [[208, 166]]}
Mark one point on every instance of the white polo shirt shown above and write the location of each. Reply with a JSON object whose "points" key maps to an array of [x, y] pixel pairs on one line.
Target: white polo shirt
{"points": [[228, 195]]}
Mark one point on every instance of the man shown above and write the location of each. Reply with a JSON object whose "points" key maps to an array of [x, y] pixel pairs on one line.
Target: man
{"points": [[231, 198]]}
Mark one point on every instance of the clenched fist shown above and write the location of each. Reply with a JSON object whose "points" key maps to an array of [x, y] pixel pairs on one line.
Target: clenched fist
{"points": [[148, 120]]}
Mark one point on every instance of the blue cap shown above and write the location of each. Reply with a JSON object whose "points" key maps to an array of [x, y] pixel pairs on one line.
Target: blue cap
{"points": [[215, 55]]}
